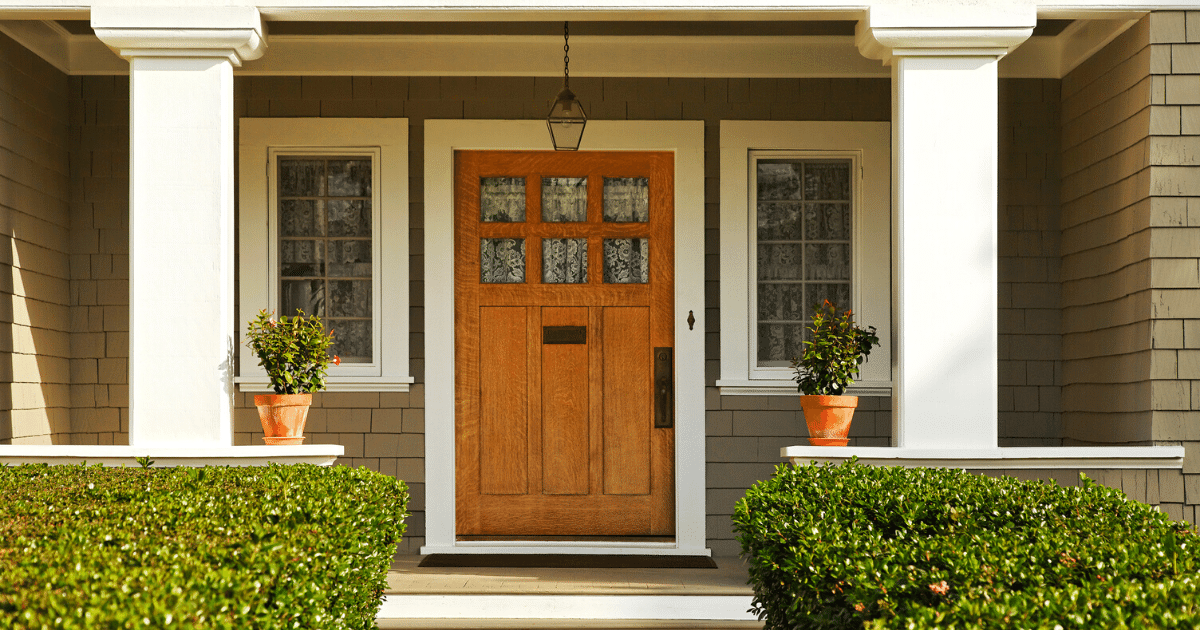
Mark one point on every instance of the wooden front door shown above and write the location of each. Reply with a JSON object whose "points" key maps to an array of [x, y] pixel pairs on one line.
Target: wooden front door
{"points": [[564, 289]]}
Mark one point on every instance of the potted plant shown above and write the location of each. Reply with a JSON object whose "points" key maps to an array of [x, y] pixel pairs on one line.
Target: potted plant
{"points": [[835, 349], [294, 352]]}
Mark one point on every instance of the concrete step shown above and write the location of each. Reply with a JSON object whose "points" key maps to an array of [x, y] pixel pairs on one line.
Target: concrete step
{"points": [[593, 612]]}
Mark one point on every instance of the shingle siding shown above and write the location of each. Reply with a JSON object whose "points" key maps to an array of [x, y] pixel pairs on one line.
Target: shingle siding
{"points": [[35, 375]]}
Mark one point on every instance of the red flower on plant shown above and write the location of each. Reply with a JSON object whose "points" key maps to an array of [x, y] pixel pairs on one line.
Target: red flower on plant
{"points": [[941, 588], [337, 360]]}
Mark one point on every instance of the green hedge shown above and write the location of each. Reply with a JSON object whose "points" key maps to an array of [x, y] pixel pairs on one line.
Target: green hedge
{"points": [[277, 547], [855, 546]]}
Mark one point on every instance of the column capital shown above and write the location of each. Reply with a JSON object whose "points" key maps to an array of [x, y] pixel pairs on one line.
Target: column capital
{"points": [[971, 31], [235, 33]]}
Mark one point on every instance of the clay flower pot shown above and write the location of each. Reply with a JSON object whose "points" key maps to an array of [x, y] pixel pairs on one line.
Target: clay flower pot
{"points": [[283, 417], [828, 418]]}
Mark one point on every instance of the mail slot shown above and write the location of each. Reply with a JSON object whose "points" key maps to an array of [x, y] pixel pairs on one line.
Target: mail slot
{"points": [[564, 334]]}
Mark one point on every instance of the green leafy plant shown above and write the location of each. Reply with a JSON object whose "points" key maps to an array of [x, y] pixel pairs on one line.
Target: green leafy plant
{"points": [[835, 349], [854, 546], [300, 546], [293, 350]]}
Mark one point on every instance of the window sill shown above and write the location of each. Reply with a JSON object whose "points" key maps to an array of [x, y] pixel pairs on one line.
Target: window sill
{"points": [[333, 384], [780, 387], [1010, 458]]}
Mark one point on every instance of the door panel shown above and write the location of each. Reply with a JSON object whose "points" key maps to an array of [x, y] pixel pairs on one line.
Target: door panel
{"points": [[627, 411], [504, 392], [565, 406], [564, 286]]}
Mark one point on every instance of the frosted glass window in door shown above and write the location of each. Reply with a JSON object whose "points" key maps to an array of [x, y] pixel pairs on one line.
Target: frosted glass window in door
{"points": [[502, 199], [502, 260], [626, 199], [564, 199], [325, 247], [564, 260], [627, 260], [802, 233]]}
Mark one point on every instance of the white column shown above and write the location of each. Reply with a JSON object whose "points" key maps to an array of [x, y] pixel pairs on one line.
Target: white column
{"points": [[181, 183], [944, 231]]}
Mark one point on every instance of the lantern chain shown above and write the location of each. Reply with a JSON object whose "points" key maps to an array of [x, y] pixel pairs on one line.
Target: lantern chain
{"points": [[566, 54]]}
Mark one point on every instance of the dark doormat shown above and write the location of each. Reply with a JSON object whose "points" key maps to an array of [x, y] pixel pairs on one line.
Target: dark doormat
{"points": [[566, 561]]}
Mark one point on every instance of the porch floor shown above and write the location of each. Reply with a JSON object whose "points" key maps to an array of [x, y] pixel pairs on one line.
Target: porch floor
{"points": [[457, 597]]}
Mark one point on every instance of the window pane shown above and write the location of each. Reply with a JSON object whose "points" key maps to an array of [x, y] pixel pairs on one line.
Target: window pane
{"points": [[564, 260], [778, 221], [502, 199], [827, 221], [350, 217], [779, 261], [564, 199], [837, 294], [350, 298], [502, 260], [778, 180], [301, 177], [626, 260], [301, 217], [781, 302], [827, 261], [349, 178], [306, 295], [827, 182], [780, 343], [302, 258], [626, 199], [350, 259], [351, 339]]}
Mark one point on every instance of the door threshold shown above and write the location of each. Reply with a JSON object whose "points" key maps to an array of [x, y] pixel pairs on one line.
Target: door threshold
{"points": [[571, 547], [566, 561], [561, 539]]}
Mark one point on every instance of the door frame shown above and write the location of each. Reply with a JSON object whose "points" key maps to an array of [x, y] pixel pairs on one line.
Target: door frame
{"points": [[686, 140]]}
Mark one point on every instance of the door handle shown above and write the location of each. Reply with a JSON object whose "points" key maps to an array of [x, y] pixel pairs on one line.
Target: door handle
{"points": [[664, 388]]}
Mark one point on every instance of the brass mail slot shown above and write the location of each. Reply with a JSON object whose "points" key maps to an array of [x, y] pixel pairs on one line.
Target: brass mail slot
{"points": [[564, 334]]}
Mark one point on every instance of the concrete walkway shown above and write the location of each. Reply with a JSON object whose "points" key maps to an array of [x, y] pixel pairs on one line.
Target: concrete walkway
{"points": [[429, 598]]}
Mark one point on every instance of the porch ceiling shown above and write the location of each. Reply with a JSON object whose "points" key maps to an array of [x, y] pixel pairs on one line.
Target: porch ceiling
{"points": [[820, 46]]}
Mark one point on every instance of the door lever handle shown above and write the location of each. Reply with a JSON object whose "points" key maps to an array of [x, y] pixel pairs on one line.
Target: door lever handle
{"points": [[664, 388]]}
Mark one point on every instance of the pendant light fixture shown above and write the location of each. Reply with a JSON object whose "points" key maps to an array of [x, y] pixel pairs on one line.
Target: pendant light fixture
{"points": [[566, 119]]}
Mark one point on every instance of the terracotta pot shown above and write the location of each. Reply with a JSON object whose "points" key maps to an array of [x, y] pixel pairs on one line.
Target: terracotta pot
{"points": [[283, 416], [828, 418]]}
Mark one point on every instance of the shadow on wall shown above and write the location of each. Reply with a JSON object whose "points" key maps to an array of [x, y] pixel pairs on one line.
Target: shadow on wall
{"points": [[35, 396]]}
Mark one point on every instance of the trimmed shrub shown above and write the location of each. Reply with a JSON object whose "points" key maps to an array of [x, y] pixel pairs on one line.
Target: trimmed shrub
{"points": [[278, 547], [855, 546]]}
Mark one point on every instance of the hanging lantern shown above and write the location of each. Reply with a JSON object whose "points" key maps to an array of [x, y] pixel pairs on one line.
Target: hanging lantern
{"points": [[566, 119]]}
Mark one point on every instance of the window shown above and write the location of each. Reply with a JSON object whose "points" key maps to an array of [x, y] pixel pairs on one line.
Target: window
{"points": [[324, 229], [804, 218]]}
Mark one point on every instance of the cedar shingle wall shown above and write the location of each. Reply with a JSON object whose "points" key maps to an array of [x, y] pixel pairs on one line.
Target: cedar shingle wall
{"points": [[1131, 238], [1106, 219], [1174, 234], [35, 394], [100, 260], [1030, 366]]}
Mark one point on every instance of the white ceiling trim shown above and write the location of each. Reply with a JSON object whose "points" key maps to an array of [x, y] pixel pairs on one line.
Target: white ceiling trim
{"points": [[1054, 57], [591, 56]]}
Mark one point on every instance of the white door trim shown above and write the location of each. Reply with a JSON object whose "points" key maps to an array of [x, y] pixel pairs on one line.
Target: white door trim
{"points": [[686, 140]]}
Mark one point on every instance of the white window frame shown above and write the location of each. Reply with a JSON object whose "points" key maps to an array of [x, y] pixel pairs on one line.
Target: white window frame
{"points": [[868, 146], [262, 142]]}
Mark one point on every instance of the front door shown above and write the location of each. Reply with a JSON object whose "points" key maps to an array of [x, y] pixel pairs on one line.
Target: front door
{"points": [[564, 288]]}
